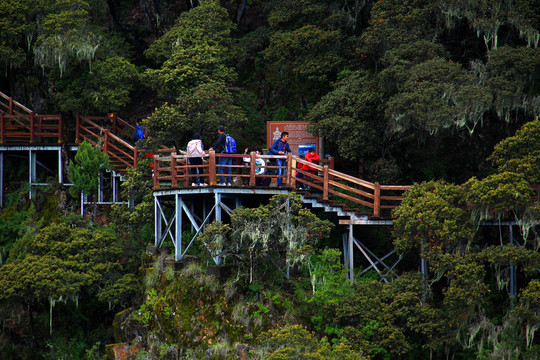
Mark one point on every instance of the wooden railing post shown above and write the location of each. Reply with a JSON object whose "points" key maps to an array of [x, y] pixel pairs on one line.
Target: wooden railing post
{"points": [[156, 172], [376, 199], [60, 129], [294, 167], [112, 119], [78, 128], [325, 182], [252, 169], [211, 168], [331, 165], [2, 128], [289, 170], [135, 157], [186, 172], [32, 129], [10, 106], [106, 141], [174, 173]]}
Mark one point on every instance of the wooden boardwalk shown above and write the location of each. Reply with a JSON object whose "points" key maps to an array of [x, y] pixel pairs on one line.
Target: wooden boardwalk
{"points": [[172, 171], [20, 126]]}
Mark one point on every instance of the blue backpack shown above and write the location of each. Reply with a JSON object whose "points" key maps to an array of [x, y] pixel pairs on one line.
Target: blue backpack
{"points": [[138, 133], [230, 144]]}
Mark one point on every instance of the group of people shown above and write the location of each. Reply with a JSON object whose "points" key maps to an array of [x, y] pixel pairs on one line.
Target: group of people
{"points": [[195, 151]]}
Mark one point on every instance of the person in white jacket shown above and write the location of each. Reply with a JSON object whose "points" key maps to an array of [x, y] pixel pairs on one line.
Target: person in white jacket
{"points": [[195, 151], [260, 168]]}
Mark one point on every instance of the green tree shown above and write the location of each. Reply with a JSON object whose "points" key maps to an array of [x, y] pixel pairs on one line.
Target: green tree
{"points": [[14, 26], [65, 32], [388, 321], [520, 153], [195, 72], [59, 265], [85, 171], [282, 230], [207, 24], [295, 342], [108, 88], [301, 63], [440, 218], [488, 17], [347, 116], [393, 23], [328, 281], [432, 218], [195, 51], [437, 94], [201, 110]]}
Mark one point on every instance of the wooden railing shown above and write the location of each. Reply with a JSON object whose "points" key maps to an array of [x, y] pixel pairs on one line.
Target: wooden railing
{"points": [[20, 125], [30, 128], [121, 153], [173, 171], [112, 122], [12, 107]]}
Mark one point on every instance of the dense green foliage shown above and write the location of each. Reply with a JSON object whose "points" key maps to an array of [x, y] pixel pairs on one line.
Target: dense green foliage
{"points": [[441, 93]]}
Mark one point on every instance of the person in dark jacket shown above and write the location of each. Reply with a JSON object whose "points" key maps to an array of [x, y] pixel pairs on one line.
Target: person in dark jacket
{"points": [[220, 147], [280, 147]]}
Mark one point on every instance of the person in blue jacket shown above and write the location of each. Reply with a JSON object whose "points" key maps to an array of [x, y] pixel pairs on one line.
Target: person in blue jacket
{"points": [[280, 147]]}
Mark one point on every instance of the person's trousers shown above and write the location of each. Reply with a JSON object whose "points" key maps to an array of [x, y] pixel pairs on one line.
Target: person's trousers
{"points": [[196, 161], [281, 172], [225, 170]]}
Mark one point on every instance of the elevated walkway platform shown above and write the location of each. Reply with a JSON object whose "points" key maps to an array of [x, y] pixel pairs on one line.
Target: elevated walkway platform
{"points": [[179, 210]]}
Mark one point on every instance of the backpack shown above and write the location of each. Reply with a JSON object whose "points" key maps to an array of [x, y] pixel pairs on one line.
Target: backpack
{"points": [[138, 133], [230, 144], [193, 149]]}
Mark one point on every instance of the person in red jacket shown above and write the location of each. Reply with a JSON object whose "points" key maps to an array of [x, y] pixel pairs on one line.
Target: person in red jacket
{"points": [[312, 157]]}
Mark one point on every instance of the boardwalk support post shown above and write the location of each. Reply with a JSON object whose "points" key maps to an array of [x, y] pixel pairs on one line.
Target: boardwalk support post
{"points": [[351, 254], [174, 178], [211, 168], [1, 179], [178, 229], [376, 199]]}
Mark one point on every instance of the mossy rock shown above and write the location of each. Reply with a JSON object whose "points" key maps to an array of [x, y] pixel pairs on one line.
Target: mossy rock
{"points": [[125, 328], [119, 351]]}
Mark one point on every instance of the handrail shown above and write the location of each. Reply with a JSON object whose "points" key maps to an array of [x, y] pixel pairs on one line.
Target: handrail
{"points": [[30, 128], [173, 170], [119, 150], [112, 122], [12, 105]]}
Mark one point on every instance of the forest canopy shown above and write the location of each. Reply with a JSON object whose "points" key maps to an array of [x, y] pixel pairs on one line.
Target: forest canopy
{"points": [[442, 95]]}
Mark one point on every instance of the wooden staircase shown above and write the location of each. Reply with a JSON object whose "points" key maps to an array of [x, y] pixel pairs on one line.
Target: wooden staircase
{"points": [[112, 133], [21, 126]]}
